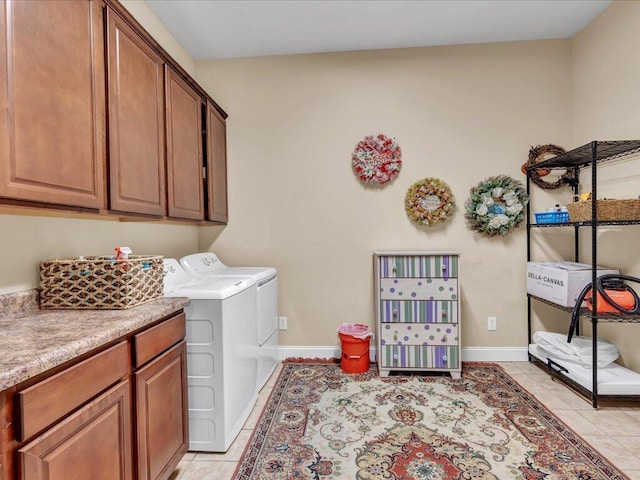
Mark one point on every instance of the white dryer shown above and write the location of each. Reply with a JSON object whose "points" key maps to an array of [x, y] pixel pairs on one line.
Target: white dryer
{"points": [[222, 362], [207, 264]]}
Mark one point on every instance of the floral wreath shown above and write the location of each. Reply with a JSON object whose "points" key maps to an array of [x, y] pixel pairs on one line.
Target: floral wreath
{"points": [[496, 206], [376, 160], [429, 201]]}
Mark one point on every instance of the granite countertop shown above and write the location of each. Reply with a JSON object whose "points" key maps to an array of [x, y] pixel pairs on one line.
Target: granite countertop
{"points": [[34, 341]]}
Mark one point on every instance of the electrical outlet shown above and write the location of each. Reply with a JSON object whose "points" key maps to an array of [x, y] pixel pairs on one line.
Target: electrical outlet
{"points": [[282, 323], [492, 323]]}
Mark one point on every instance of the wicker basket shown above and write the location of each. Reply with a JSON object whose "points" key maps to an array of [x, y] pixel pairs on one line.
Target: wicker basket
{"points": [[100, 282], [607, 210]]}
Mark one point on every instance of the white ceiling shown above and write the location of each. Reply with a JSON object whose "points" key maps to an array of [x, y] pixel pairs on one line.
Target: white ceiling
{"points": [[243, 28]]}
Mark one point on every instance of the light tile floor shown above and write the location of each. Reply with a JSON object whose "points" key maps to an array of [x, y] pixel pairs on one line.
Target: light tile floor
{"points": [[613, 429]]}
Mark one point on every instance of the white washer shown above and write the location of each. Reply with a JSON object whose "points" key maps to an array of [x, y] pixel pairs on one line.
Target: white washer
{"points": [[208, 264], [222, 361]]}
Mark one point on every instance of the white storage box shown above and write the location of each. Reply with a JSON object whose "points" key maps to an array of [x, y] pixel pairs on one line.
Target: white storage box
{"points": [[560, 282]]}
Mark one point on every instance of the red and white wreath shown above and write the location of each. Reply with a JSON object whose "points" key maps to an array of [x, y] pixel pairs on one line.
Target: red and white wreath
{"points": [[376, 159]]}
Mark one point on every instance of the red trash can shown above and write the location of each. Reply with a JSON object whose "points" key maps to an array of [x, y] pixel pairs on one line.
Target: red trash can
{"points": [[355, 339]]}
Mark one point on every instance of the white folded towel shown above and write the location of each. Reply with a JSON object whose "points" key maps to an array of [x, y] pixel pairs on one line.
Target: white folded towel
{"points": [[578, 351]]}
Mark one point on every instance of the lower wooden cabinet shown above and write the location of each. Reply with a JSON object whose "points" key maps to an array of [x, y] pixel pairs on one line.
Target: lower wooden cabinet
{"points": [[93, 443], [161, 414], [119, 414]]}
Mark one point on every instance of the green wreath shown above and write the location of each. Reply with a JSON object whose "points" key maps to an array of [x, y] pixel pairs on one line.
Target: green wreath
{"points": [[496, 206], [429, 201]]}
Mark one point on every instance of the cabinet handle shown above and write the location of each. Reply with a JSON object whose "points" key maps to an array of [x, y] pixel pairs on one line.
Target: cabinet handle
{"points": [[444, 267], [394, 270], [444, 358], [395, 313], [395, 359], [395, 336], [444, 313]]}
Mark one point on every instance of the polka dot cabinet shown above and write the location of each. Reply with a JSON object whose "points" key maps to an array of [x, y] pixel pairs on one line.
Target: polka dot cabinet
{"points": [[417, 312]]}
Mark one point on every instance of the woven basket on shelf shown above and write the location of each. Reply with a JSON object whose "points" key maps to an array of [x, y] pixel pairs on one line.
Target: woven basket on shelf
{"points": [[607, 210], [100, 282]]}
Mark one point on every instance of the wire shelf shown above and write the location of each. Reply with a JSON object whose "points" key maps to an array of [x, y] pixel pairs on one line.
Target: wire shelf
{"points": [[589, 315], [584, 155], [576, 387], [586, 223]]}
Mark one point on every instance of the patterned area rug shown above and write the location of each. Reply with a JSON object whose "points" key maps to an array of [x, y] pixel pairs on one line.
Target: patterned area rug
{"points": [[323, 424]]}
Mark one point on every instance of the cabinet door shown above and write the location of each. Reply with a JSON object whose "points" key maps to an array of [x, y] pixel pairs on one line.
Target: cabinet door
{"points": [[136, 122], [216, 165], [185, 185], [52, 102], [161, 414], [94, 442]]}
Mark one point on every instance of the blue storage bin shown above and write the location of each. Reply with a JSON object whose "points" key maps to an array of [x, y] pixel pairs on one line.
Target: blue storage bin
{"points": [[551, 217]]}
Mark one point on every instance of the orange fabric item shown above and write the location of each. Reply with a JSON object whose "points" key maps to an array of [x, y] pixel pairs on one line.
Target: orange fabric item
{"points": [[355, 354], [621, 297]]}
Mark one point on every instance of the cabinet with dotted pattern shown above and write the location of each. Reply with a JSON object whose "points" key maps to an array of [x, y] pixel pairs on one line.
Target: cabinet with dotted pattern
{"points": [[417, 312]]}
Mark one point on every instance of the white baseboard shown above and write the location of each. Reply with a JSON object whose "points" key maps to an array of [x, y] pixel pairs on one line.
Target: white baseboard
{"points": [[495, 354], [469, 354], [308, 352]]}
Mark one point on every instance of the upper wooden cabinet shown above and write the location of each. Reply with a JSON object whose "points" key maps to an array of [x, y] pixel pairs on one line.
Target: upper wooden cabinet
{"points": [[95, 115], [184, 148], [52, 102], [136, 122], [216, 165]]}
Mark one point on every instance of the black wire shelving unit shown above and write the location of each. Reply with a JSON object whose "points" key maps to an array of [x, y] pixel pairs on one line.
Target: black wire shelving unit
{"points": [[590, 155]]}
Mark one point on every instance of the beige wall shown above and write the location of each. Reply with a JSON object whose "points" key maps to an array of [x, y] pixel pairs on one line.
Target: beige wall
{"points": [[152, 24], [25, 240], [606, 106], [459, 113]]}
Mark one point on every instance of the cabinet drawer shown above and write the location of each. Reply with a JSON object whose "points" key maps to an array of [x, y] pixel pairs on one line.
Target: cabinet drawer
{"points": [[418, 289], [48, 401], [418, 311], [413, 356], [155, 340], [419, 266], [418, 334]]}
